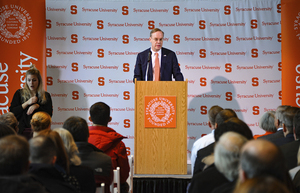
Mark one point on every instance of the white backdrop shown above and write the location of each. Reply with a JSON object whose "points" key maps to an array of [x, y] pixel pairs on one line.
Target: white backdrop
{"points": [[229, 51]]}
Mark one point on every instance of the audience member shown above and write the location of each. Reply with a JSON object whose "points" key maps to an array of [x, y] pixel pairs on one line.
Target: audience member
{"points": [[10, 119], [261, 184], [90, 155], [6, 130], [29, 100], [287, 126], [210, 178], [43, 156], [109, 141], [83, 174], [221, 117], [227, 156], [207, 139], [278, 124], [290, 150], [267, 123], [261, 157], [40, 121], [14, 163], [62, 161]]}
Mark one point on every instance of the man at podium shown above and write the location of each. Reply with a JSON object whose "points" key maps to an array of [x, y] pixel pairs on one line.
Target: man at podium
{"points": [[157, 63]]}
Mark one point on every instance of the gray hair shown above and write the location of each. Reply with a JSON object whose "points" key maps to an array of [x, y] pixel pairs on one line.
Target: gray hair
{"points": [[227, 154], [267, 121]]}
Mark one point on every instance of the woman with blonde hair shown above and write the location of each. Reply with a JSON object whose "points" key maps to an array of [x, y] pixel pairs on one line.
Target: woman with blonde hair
{"points": [[30, 99], [40, 121], [84, 175]]}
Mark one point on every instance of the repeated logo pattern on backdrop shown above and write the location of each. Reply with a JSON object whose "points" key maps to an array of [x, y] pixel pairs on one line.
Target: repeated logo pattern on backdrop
{"points": [[229, 52]]}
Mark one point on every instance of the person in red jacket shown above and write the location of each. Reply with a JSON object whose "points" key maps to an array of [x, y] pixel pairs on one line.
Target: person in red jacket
{"points": [[109, 141]]}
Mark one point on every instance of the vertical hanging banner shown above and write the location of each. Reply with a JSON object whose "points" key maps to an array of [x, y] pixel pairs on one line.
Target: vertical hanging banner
{"points": [[22, 43], [290, 18]]}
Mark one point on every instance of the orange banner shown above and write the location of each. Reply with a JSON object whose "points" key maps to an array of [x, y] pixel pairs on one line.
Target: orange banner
{"points": [[22, 43], [290, 29]]}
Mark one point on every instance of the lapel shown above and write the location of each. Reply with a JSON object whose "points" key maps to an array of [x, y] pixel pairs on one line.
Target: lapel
{"points": [[163, 61]]}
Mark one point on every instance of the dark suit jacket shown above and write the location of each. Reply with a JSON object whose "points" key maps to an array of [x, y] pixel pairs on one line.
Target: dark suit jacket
{"points": [[284, 140], [290, 152], [202, 153], [207, 180], [169, 66], [273, 137]]}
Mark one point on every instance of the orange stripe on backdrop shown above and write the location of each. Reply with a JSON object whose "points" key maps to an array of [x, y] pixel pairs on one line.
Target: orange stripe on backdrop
{"points": [[290, 29], [22, 43]]}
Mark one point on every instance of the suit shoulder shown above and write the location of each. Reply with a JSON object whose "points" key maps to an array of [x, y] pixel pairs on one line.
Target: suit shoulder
{"points": [[144, 52]]}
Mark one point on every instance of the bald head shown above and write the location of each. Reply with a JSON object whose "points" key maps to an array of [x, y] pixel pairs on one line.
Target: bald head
{"points": [[261, 157]]}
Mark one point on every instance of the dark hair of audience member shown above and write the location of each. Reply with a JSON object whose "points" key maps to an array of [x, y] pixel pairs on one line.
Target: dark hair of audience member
{"points": [[42, 149], [212, 113], [100, 113], [62, 156], [10, 119], [224, 115], [6, 130], [78, 127], [261, 184], [14, 151], [233, 124]]}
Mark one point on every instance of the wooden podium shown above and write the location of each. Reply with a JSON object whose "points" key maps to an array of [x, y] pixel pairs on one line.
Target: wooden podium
{"points": [[160, 150]]}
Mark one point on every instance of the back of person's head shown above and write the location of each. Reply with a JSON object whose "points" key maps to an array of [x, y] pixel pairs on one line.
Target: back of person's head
{"points": [[78, 127], [261, 184], [212, 113], [279, 114], [70, 145], [267, 121], [62, 156], [6, 130], [40, 121], [233, 124], [100, 113], [14, 154], [296, 124], [261, 157], [42, 150], [10, 119], [288, 117], [224, 115], [227, 154]]}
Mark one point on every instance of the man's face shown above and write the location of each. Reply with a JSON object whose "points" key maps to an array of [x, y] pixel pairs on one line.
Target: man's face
{"points": [[156, 40]]}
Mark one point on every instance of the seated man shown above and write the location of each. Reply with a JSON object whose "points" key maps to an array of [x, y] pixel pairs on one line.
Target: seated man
{"points": [[109, 141], [261, 157], [14, 163], [90, 155], [207, 139], [43, 157]]}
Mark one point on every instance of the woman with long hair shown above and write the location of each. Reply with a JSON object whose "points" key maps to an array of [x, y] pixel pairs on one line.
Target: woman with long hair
{"points": [[30, 99], [84, 175]]}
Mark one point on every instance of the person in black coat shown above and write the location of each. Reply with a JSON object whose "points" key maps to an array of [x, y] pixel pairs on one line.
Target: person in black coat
{"points": [[14, 153], [30, 99]]}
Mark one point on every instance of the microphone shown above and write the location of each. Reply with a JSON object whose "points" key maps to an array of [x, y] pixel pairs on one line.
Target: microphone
{"points": [[148, 61]]}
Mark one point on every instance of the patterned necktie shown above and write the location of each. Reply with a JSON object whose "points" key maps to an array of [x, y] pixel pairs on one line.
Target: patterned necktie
{"points": [[156, 68]]}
